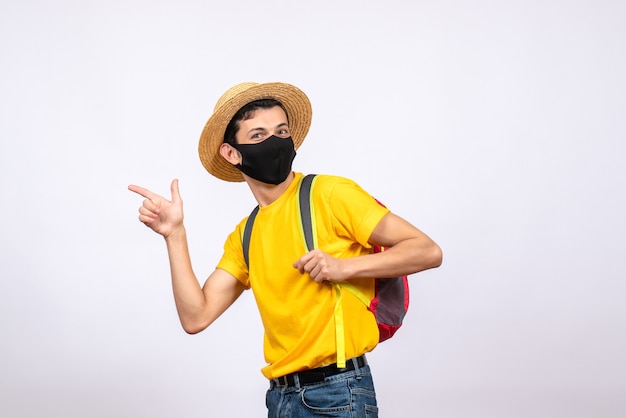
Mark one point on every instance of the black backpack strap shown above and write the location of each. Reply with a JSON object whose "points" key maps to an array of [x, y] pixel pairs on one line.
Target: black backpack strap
{"points": [[247, 232], [304, 199]]}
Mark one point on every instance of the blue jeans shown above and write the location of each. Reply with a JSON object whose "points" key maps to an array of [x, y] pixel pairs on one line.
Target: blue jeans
{"points": [[350, 395]]}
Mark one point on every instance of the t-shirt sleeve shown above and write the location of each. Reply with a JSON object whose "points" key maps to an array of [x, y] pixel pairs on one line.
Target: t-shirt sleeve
{"points": [[232, 260], [357, 213]]}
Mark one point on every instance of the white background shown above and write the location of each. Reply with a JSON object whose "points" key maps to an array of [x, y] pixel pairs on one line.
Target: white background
{"points": [[498, 128]]}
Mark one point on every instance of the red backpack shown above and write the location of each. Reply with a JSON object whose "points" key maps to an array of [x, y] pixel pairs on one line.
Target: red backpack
{"points": [[391, 296]]}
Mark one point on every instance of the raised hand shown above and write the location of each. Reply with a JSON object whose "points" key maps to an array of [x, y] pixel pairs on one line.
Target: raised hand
{"points": [[163, 216]]}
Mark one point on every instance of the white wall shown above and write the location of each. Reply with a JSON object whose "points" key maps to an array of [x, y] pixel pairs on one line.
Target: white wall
{"points": [[496, 127]]}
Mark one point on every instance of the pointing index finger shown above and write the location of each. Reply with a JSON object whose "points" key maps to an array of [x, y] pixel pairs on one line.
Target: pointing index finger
{"points": [[142, 191]]}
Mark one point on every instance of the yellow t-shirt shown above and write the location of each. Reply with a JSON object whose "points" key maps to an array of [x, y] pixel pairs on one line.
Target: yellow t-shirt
{"points": [[298, 313]]}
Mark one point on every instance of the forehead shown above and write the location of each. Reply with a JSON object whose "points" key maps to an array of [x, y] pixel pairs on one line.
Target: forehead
{"points": [[271, 115]]}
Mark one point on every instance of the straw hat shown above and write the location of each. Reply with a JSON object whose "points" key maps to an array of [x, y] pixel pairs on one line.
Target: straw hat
{"points": [[295, 102]]}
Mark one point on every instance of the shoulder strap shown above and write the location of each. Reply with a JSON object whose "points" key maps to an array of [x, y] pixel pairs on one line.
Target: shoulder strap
{"points": [[306, 217], [307, 222], [247, 232]]}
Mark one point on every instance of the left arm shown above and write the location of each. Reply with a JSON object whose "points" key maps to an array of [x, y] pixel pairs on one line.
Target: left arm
{"points": [[408, 250]]}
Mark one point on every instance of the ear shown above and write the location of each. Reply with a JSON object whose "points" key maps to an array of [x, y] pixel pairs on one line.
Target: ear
{"points": [[230, 154]]}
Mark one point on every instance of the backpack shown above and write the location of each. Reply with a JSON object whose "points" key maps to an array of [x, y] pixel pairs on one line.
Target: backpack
{"points": [[391, 295]]}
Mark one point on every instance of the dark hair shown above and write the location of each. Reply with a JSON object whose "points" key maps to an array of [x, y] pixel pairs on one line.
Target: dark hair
{"points": [[246, 113]]}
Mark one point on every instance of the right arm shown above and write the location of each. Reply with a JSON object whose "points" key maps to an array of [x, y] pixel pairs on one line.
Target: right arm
{"points": [[197, 307]]}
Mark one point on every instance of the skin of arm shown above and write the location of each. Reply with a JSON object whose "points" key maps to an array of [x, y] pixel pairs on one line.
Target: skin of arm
{"points": [[197, 306], [408, 251]]}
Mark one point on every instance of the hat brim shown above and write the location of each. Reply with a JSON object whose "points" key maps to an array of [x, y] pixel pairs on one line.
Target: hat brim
{"points": [[295, 102]]}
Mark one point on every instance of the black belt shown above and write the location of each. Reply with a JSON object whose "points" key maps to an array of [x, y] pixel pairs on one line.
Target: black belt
{"points": [[309, 377]]}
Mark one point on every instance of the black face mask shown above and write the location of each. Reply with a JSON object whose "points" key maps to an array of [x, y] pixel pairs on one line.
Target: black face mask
{"points": [[268, 161]]}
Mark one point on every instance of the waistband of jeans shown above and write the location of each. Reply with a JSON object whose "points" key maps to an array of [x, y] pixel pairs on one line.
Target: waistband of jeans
{"points": [[312, 376]]}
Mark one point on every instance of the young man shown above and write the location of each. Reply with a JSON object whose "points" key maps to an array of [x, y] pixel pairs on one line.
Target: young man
{"points": [[252, 136]]}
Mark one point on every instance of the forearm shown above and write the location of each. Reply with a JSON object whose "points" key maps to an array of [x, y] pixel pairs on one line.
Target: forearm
{"points": [[406, 257], [188, 295], [408, 250]]}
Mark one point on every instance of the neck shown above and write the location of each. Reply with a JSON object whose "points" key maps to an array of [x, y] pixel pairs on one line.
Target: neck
{"points": [[267, 193]]}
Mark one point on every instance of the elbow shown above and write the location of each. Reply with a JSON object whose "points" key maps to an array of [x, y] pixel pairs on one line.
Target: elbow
{"points": [[192, 327], [430, 257], [436, 256], [192, 330]]}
